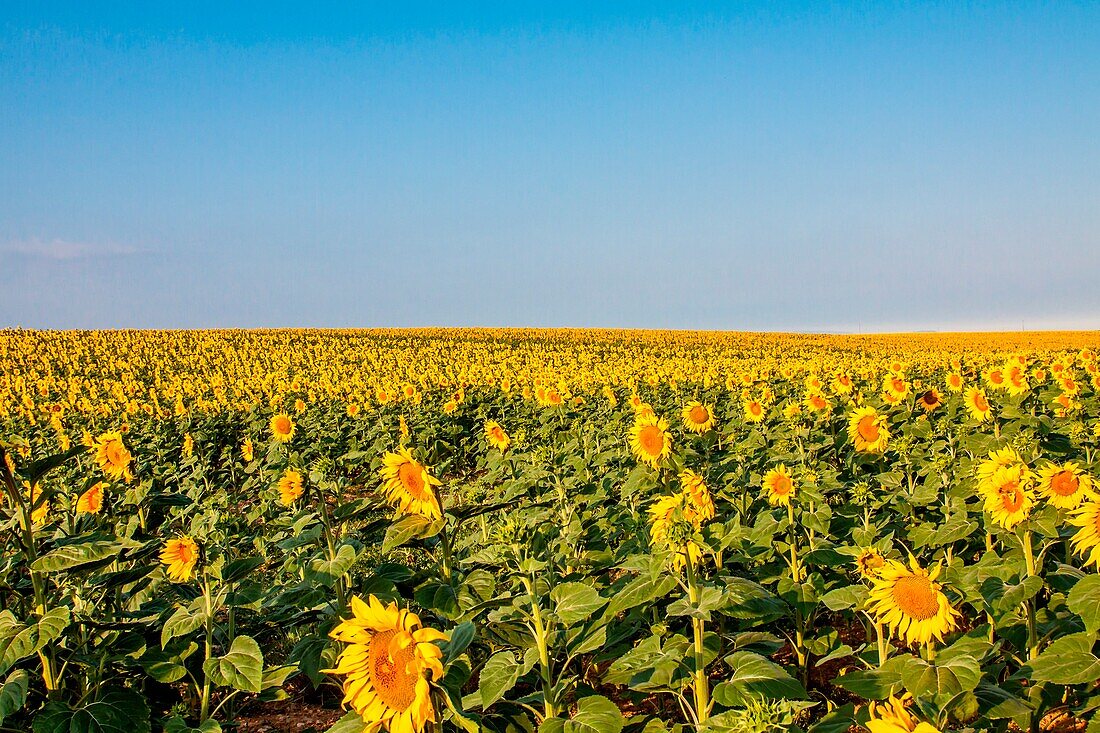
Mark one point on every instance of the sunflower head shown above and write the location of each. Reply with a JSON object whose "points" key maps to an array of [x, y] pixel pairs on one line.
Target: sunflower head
{"points": [[867, 430], [779, 486], [282, 428], [1066, 485], [891, 716], [673, 523], [978, 405], [408, 485], [930, 400], [388, 663], [698, 418], [290, 487], [698, 495], [180, 556], [496, 435], [1008, 497], [870, 563], [908, 601], [112, 456], [754, 411], [650, 441], [1086, 541], [91, 501]]}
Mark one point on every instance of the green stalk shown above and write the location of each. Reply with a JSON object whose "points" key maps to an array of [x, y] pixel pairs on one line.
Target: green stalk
{"points": [[701, 685], [1029, 605]]}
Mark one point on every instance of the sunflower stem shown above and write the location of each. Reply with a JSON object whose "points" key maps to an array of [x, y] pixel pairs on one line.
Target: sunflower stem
{"points": [[701, 686], [1029, 605]]}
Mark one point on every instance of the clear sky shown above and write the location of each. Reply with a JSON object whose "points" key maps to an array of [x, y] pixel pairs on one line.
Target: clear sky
{"points": [[765, 166]]}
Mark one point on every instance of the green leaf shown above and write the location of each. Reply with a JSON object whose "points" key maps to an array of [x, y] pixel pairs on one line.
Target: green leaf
{"points": [[1067, 661], [498, 676], [1084, 600], [234, 570], [18, 641], [754, 677], [639, 591], [13, 695], [575, 602], [840, 599], [118, 710], [327, 572], [874, 684], [408, 527], [71, 556], [350, 723], [241, 669], [461, 636], [595, 714], [182, 622], [165, 667], [176, 724], [942, 679]]}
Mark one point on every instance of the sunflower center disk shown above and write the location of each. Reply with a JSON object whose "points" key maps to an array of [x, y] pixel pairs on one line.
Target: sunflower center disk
{"points": [[651, 440], [409, 473], [390, 677], [916, 598], [868, 430], [1064, 484]]}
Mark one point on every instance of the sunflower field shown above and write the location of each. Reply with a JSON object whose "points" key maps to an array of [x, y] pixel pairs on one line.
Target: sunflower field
{"points": [[568, 531]]}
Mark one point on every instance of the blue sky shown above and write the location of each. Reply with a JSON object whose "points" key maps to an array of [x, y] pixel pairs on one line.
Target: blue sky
{"points": [[765, 166]]}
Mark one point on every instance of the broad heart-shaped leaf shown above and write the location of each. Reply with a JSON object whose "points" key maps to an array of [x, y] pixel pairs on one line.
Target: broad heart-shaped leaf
{"points": [[840, 599], [575, 602], [71, 556], [595, 714], [185, 620], [942, 679], [117, 710], [327, 572], [639, 591], [498, 676], [874, 684], [18, 641], [755, 677], [410, 526], [235, 570], [13, 694], [1068, 661], [1084, 600], [242, 668]]}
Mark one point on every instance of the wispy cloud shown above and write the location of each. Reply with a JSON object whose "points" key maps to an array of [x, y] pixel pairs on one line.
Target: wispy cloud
{"points": [[61, 249]]}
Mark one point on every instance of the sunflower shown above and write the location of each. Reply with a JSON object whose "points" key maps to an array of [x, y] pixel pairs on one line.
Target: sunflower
{"points": [[290, 487], [698, 495], [842, 384], [754, 411], [91, 501], [352, 409], [112, 456], [1008, 495], [997, 459], [409, 486], [672, 525], [180, 555], [1086, 541], [188, 445], [42, 511], [816, 402], [895, 387], [650, 440], [698, 418], [779, 485], [449, 407], [955, 382], [247, 452], [1065, 486], [282, 428], [870, 563], [978, 405], [892, 717], [496, 435], [930, 400], [867, 430], [387, 665], [910, 603]]}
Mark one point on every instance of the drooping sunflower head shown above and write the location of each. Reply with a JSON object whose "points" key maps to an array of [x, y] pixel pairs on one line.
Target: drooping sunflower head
{"points": [[698, 418], [290, 487], [282, 428], [496, 435], [1065, 486], [779, 486], [870, 563], [698, 495], [867, 430], [409, 486], [112, 456], [180, 555], [247, 450], [91, 501], [1008, 497], [1086, 540], [673, 523], [650, 441], [978, 405], [908, 601], [388, 664]]}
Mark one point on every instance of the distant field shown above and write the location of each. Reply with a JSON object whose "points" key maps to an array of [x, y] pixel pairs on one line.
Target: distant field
{"points": [[611, 530]]}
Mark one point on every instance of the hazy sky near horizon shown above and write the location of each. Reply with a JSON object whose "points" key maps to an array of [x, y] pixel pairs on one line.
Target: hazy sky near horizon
{"points": [[765, 166]]}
